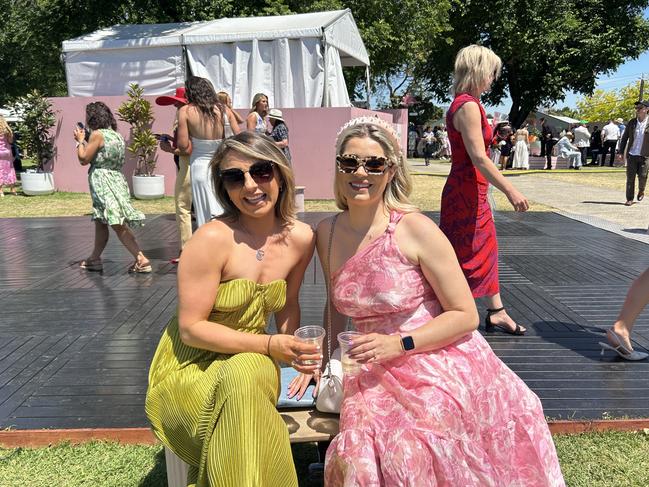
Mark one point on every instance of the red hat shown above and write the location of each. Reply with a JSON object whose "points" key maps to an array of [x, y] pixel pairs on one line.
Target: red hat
{"points": [[170, 100]]}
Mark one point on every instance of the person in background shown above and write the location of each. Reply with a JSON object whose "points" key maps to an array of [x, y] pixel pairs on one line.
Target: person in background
{"points": [[256, 120], [582, 140], [7, 172], [622, 127], [566, 149], [466, 217], [183, 186], [595, 146], [279, 132], [200, 132], [214, 378], [506, 146], [429, 144], [224, 99], [618, 336], [610, 136], [105, 152], [412, 139], [521, 158], [17, 153], [636, 158], [548, 140]]}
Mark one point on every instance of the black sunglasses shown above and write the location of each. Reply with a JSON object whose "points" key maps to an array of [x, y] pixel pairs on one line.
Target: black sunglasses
{"points": [[260, 172], [374, 165]]}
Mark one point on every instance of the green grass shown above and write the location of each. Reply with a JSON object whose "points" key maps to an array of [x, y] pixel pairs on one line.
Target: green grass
{"points": [[587, 460]]}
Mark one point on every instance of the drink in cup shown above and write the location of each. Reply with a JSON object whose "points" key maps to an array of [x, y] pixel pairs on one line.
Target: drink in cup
{"points": [[350, 365], [311, 334]]}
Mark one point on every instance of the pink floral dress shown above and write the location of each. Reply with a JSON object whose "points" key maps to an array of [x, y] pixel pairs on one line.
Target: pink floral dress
{"points": [[7, 173], [455, 416]]}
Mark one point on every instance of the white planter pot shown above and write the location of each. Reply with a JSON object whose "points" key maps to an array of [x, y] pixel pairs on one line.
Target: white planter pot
{"points": [[148, 187], [37, 183]]}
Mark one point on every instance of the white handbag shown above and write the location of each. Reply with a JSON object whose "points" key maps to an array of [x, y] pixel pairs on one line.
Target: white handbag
{"points": [[330, 389]]}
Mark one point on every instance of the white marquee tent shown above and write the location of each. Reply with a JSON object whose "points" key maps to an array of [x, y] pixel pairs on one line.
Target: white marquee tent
{"points": [[296, 59]]}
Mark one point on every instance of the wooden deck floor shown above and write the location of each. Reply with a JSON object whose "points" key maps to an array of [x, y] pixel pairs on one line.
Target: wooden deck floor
{"points": [[75, 346]]}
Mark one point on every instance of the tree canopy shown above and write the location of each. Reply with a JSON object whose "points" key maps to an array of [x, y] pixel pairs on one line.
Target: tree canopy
{"points": [[605, 105], [547, 47]]}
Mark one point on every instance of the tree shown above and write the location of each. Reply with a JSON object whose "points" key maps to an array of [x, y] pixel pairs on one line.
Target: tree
{"points": [[547, 47], [398, 35], [605, 105]]}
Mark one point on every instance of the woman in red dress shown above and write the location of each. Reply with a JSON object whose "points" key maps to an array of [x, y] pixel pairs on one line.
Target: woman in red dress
{"points": [[466, 217]]}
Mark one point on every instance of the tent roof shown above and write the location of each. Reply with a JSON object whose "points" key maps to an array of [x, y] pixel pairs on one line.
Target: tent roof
{"points": [[566, 120], [337, 27]]}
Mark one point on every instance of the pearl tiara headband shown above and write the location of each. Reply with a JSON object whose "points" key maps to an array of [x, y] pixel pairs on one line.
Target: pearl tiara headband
{"points": [[389, 129]]}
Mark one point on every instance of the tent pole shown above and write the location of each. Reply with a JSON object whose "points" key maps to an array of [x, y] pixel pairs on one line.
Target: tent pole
{"points": [[367, 80], [325, 92]]}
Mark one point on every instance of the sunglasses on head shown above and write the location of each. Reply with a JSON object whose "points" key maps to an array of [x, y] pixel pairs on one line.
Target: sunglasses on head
{"points": [[374, 165], [260, 172]]}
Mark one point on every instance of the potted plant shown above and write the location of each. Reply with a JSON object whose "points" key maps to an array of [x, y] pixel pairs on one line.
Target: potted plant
{"points": [[37, 120], [138, 112]]}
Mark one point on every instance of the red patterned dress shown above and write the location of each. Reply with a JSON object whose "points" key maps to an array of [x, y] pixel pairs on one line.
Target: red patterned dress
{"points": [[466, 217]]}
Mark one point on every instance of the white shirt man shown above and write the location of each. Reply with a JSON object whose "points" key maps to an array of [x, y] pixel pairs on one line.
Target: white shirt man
{"points": [[582, 140], [610, 134], [636, 135]]}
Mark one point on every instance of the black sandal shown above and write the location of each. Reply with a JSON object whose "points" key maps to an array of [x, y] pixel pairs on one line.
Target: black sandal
{"points": [[489, 327]]}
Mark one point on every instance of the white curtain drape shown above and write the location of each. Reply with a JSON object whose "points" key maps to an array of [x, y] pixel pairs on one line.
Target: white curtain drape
{"points": [[156, 69], [289, 71]]}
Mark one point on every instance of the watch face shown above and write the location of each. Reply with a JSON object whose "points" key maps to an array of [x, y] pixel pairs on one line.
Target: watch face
{"points": [[408, 343]]}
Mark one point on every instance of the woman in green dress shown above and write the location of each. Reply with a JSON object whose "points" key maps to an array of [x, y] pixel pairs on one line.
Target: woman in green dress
{"points": [[214, 379], [111, 200]]}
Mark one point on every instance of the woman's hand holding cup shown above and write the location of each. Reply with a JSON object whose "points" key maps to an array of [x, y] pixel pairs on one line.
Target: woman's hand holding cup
{"points": [[303, 357]]}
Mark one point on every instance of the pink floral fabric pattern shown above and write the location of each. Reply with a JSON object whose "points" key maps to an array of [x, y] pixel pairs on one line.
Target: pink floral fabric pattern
{"points": [[7, 173], [456, 416]]}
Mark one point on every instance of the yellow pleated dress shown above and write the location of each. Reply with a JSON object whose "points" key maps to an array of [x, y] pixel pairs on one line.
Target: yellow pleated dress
{"points": [[217, 411]]}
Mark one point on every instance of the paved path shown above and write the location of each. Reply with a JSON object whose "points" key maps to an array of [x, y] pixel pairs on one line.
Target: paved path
{"points": [[601, 207]]}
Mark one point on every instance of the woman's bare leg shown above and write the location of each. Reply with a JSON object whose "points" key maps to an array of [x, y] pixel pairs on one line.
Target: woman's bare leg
{"points": [[636, 299], [101, 239], [501, 318], [127, 238]]}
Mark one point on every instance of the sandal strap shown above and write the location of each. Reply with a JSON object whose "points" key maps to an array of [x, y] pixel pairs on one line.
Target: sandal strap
{"points": [[495, 310]]}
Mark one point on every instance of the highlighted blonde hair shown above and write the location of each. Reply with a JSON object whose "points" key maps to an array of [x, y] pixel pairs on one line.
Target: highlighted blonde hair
{"points": [[257, 147], [397, 192], [4, 127], [474, 67]]}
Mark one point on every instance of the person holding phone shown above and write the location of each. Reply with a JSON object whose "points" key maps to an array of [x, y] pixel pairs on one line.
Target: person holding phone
{"points": [[104, 151], [183, 186]]}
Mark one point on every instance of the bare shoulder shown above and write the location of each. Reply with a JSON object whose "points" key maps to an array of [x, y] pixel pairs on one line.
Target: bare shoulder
{"points": [[302, 234], [215, 234], [417, 224]]}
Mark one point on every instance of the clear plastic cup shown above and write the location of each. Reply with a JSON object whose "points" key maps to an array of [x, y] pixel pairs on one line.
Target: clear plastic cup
{"points": [[311, 334], [345, 339]]}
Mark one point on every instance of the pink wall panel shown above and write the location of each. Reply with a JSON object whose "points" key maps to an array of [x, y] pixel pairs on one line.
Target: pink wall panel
{"points": [[312, 138]]}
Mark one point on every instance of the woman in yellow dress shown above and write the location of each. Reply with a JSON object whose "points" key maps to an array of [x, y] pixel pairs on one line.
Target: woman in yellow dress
{"points": [[214, 379]]}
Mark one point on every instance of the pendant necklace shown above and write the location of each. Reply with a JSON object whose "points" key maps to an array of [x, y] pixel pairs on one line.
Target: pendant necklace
{"points": [[260, 253]]}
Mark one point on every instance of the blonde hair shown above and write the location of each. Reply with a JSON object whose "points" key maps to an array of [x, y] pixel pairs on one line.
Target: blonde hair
{"points": [[474, 65], [397, 192], [222, 97], [4, 127], [259, 148], [256, 99]]}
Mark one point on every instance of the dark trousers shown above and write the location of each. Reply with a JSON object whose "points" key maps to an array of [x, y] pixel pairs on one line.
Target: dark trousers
{"points": [[548, 146], [594, 154], [636, 165], [584, 154], [609, 146]]}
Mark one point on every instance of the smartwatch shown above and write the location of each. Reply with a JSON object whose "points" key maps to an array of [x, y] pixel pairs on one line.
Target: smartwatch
{"points": [[407, 343]]}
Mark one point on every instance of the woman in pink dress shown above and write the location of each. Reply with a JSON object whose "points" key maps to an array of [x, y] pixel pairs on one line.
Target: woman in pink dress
{"points": [[465, 216], [7, 173], [431, 405]]}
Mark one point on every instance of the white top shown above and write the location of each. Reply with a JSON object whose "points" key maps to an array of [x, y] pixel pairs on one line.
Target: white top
{"points": [[638, 137], [610, 132], [582, 137]]}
